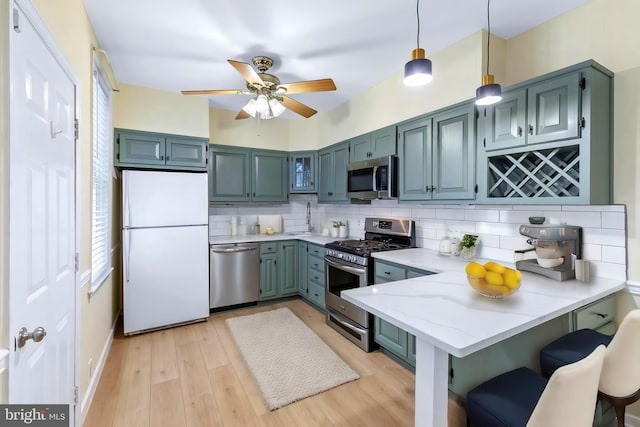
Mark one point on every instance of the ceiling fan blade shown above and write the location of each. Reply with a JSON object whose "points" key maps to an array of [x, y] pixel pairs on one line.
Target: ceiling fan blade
{"points": [[309, 86], [216, 92], [242, 115], [298, 107], [247, 71]]}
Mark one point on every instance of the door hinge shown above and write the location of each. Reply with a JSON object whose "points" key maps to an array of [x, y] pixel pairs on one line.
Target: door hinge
{"points": [[260, 260], [583, 83], [484, 142], [475, 188], [118, 156], [583, 123], [77, 262], [16, 21], [76, 392], [76, 129], [451, 373]]}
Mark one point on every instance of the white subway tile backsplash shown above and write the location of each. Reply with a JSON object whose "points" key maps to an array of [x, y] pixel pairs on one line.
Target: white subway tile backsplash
{"points": [[614, 254], [482, 215], [604, 227]]}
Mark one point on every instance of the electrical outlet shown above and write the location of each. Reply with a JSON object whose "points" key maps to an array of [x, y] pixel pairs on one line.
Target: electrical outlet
{"points": [[90, 367]]}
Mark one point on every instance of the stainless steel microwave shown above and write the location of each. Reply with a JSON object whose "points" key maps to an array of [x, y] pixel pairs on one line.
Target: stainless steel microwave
{"points": [[373, 178]]}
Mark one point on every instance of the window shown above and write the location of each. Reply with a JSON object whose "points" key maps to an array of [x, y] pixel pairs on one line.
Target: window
{"points": [[101, 179]]}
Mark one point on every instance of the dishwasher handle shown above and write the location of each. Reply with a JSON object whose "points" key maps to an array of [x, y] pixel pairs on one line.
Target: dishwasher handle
{"points": [[233, 250]]}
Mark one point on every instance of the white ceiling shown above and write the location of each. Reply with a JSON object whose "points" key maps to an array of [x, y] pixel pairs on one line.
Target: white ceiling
{"points": [[179, 45]]}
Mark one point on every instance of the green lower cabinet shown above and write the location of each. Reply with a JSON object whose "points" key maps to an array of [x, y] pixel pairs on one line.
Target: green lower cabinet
{"points": [[288, 271], [278, 269], [392, 338], [312, 260], [302, 268], [268, 276]]}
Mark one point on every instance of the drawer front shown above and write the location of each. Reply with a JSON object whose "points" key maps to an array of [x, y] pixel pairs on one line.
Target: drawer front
{"points": [[269, 248], [316, 294], [316, 276], [316, 250], [596, 315], [390, 272], [316, 263]]}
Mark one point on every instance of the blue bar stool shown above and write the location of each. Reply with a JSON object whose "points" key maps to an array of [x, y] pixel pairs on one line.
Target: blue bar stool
{"points": [[522, 398], [620, 379]]}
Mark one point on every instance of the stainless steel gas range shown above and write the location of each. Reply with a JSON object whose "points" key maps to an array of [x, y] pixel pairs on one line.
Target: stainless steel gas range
{"points": [[348, 265]]}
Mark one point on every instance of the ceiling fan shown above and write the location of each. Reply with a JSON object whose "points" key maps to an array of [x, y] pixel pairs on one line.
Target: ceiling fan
{"points": [[271, 96]]}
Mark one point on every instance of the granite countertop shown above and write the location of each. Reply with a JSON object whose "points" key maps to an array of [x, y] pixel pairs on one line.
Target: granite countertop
{"points": [[444, 310], [318, 239]]}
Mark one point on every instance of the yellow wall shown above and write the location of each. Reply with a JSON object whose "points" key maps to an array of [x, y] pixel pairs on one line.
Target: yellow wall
{"points": [[72, 30], [251, 132], [155, 110]]}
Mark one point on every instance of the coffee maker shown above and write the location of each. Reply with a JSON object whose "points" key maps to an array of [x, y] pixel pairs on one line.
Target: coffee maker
{"points": [[556, 246]]}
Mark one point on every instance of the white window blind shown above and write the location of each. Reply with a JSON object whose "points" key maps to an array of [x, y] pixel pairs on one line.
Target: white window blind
{"points": [[101, 179]]}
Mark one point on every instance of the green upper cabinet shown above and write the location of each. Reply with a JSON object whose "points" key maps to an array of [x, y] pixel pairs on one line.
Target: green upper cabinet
{"points": [[549, 140], [542, 112], [269, 182], [229, 174], [436, 156], [302, 172], [506, 121], [414, 160], [137, 149], [332, 170], [454, 159], [239, 174], [379, 143]]}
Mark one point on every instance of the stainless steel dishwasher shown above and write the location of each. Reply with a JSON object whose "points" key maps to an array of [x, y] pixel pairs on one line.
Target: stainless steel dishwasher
{"points": [[234, 274]]}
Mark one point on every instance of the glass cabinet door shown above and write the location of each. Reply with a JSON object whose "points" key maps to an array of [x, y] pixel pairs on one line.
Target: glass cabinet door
{"points": [[303, 172]]}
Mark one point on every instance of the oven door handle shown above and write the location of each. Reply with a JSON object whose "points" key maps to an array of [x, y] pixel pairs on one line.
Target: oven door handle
{"points": [[344, 267]]}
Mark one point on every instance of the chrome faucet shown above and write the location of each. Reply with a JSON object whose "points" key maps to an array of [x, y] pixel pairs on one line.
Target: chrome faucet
{"points": [[309, 217]]}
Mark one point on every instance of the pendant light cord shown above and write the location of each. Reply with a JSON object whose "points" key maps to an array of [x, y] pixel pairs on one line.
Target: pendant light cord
{"points": [[488, 35], [418, 18]]}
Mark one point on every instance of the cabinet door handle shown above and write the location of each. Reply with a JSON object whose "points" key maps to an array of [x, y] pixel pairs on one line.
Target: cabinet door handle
{"points": [[426, 188], [387, 272], [519, 130], [329, 194], [433, 188], [161, 157], [602, 315], [530, 130], [167, 158]]}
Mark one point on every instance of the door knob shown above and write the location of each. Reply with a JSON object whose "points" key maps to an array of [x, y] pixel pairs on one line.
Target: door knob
{"points": [[37, 335]]}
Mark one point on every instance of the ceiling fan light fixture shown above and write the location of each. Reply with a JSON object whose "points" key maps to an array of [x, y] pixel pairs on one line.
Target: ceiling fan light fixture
{"points": [[251, 108], [489, 93], [276, 107], [262, 103], [417, 72]]}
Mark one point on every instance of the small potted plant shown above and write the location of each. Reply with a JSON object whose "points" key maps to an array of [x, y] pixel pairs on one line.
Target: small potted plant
{"points": [[468, 245], [338, 229]]}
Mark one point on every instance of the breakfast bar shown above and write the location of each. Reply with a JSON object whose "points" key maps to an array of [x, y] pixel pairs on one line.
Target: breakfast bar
{"points": [[448, 317]]}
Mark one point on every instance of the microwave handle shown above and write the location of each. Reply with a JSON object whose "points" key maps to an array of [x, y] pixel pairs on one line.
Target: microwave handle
{"points": [[375, 178]]}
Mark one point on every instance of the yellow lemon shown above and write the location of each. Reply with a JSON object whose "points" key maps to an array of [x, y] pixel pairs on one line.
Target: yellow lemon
{"points": [[494, 278], [495, 267], [511, 278], [476, 270]]}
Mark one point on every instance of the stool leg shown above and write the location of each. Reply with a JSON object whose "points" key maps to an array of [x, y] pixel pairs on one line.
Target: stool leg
{"points": [[620, 409]]}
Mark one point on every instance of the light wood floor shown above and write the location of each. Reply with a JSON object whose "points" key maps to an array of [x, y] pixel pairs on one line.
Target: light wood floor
{"points": [[195, 376]]}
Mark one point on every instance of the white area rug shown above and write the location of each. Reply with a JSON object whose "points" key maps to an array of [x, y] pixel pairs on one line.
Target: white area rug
{"points": [[287, 359]]}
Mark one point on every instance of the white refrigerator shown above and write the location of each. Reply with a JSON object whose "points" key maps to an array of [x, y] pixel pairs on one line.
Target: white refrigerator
{"points": [[165, 248]]}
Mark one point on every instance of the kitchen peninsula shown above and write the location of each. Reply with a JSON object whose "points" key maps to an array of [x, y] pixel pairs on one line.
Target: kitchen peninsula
{"points": [[448, 317]]}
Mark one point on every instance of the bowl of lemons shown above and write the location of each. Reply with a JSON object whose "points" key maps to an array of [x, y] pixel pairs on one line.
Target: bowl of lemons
{"points": [[492, 279]]}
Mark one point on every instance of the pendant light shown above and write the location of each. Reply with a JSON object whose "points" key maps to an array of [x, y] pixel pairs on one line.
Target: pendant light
{"points": [[490, 92], [417, 72]]}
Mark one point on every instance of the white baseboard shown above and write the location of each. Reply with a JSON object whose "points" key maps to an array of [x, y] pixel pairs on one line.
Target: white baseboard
{"points": [[93, 384]]}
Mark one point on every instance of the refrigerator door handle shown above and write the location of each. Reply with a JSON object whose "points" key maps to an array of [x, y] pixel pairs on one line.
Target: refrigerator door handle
{"points": [[127, 211], [127, 254]]}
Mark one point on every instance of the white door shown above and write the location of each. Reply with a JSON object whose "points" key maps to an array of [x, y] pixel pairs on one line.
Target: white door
{"points": [[42, 216]]}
